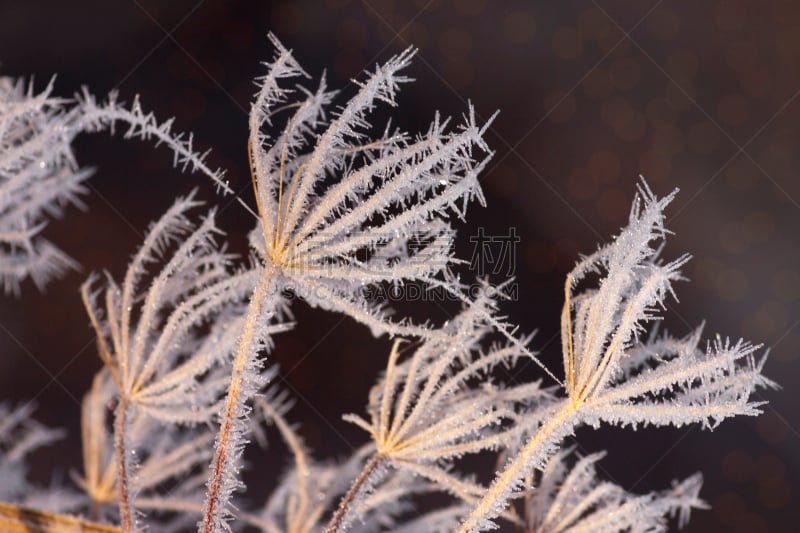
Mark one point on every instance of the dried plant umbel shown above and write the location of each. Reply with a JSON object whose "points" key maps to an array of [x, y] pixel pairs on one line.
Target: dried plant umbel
{"points": [[167, 347], [337, 210], [310, 233], [439, 405], [615, 377], [39, 177]]}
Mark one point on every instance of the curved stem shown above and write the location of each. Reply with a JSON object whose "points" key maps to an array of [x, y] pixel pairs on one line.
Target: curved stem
{"points": [[338, 522]]}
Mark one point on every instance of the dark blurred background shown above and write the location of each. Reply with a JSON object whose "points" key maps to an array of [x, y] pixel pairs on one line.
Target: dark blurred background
{"points": [[697, 95]]}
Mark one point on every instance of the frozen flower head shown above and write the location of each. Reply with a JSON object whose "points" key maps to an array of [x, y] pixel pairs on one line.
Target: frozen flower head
{"points": [[338, 210], [621, 379], [165, 343], [599, 325], [614, 376], [38, 178]]}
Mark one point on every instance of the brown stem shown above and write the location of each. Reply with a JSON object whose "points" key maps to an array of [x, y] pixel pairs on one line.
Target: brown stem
{"points": [[120, 450], [337, 521], [235, 400], [94, 512]]}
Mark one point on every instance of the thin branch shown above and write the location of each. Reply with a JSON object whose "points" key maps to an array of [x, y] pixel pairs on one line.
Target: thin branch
{"points": [[121, 426], [339, 520]]}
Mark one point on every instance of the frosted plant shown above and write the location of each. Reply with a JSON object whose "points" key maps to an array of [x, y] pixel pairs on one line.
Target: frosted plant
{"points": [[96, 117], [150, 340], [572, 500], [314, 238], [19, 436], [36, 508], [294, 506], [326, 194], [167, 457], [299, 504], [148, 328], [340, 209], [38, 178], [614, 377], [427, 411]]}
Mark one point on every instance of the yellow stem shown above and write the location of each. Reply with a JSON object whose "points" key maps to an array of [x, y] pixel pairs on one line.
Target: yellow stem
{"points": [[516, 468]]}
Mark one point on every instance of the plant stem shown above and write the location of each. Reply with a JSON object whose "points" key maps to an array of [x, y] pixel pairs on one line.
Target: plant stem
{"points": [[94, 512], [121, 451], [535, 451], [229, 437], [338, 520], [14, 518]]}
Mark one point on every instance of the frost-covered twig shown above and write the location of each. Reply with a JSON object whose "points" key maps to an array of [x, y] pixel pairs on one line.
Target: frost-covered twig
{"points": [[96, 116]]}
